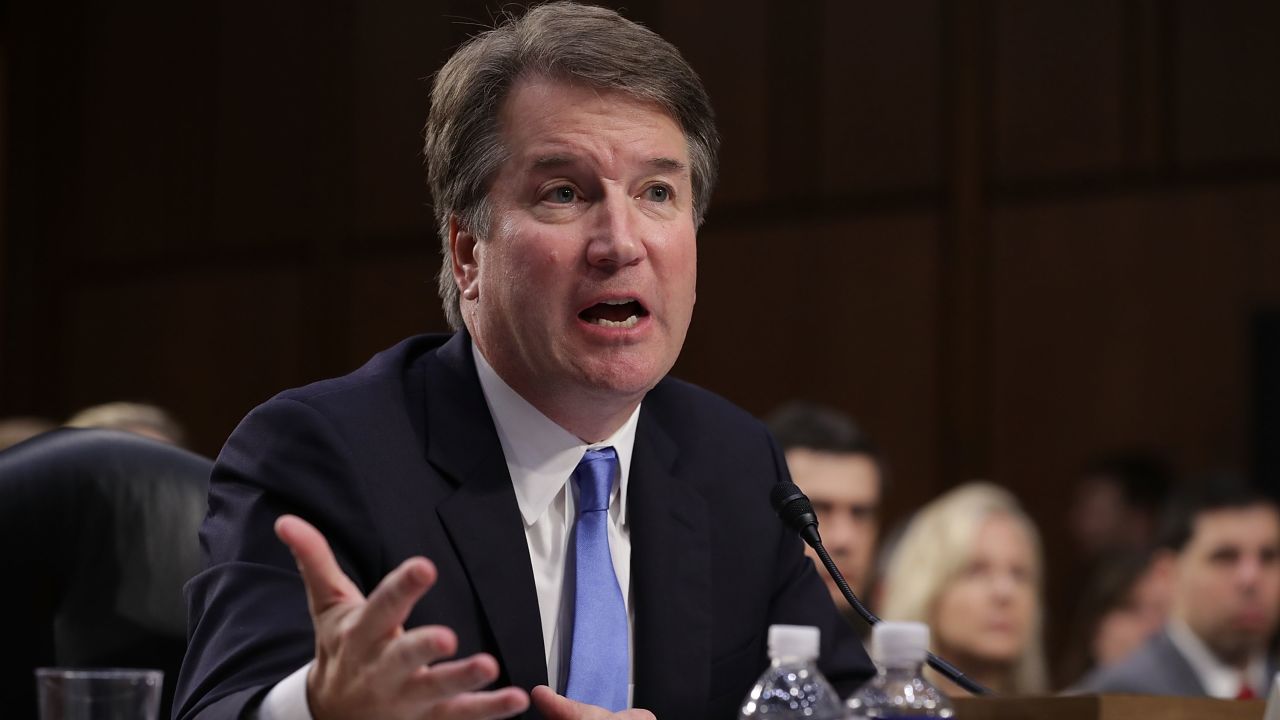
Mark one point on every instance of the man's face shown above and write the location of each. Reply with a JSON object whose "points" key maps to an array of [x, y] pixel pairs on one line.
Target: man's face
{"points": [[1227, 580], [583, 289], [845, 491]]}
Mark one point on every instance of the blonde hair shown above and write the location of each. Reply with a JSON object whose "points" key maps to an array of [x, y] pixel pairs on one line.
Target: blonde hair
{"points": [[938, 545], [132, 417]]}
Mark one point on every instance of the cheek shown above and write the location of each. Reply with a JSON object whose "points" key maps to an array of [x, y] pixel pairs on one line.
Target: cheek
{"points": [[953, 611]]}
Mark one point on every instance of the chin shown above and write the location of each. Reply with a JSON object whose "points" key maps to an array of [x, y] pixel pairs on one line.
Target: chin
{"points": [[622, 375]]}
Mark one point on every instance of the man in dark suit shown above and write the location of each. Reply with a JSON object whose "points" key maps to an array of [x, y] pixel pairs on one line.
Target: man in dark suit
{"points": [[1224, 537], [593, 526]]}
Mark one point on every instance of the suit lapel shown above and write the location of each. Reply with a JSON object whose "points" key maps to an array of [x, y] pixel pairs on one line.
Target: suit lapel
{"points": [[671, 579], [1174, 670], [481, 516]]}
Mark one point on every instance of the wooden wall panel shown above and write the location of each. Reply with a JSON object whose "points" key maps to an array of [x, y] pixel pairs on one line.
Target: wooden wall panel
{"points": [[1227, 108], [1057, 90], [839, 312], [398, 47], [881, 119], [1123, 321], [1003, 234], [207, 346], [145, 137], [392, 298], [734, 64], [283, 145]]}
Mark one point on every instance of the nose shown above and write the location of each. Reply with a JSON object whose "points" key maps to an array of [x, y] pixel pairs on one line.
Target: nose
{"points": [[1003, 586], [1249, 571], [838, 532], [616, 237]]}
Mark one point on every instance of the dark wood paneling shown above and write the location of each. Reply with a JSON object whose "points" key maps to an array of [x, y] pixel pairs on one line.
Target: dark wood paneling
{"points": [[1057, 87], [1002, 234], [392, 298], [282, 164], [206, 346], [840, 312], [729, 49], [146, 137], [881, 121], [1227, 69], [398, 48]]}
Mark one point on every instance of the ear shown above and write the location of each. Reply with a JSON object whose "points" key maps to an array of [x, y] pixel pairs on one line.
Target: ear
{"points": [[1164, 563], [466, 261]]}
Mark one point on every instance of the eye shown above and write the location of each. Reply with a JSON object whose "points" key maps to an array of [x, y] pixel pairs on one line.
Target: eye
{"points": [[564, 194], [658, 193]]}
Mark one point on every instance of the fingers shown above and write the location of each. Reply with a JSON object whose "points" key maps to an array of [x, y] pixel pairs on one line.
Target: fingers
{"points": [[326, 584], [390, 603], [408, 655], [490, 705]]}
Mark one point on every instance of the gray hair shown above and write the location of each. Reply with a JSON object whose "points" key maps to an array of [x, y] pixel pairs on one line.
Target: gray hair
{"points": [[561, 40]]}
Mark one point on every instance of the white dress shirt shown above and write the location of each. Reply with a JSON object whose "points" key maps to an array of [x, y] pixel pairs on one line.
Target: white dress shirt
{"points": [[541, 456], [1219, 679]]}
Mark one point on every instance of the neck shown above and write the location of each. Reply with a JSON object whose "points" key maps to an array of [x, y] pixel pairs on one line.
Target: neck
{"points": [[1233, 656], [590, 414], [588, 421]]}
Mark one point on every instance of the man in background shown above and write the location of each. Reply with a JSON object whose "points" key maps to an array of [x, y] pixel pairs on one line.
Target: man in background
{"points": [[1224, 538], [841, 471]]}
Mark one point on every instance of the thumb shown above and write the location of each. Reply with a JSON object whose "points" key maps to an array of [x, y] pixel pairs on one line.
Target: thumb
{"points": [[557, 707], [554, 706]]}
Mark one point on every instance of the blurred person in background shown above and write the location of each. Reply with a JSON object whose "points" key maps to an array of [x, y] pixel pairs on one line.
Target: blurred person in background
{"points": [[1223, 536], [969, 565], [1118, 502], [137, 418], [18, 429], [1125, 603], [842, 472]]}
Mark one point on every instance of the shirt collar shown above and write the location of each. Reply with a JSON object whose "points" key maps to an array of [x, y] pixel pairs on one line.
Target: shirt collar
{"points": [[1219, 679], [541, 455]]}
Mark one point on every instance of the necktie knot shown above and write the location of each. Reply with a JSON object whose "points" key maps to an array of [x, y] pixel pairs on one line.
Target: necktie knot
{"points": [[594, 476]]}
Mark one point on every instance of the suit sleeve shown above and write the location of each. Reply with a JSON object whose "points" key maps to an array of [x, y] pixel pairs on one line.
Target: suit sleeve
{"points": [[248, 623]]}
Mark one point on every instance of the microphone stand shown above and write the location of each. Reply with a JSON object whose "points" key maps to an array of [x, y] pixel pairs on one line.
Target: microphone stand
{"points": [[942, 666]]}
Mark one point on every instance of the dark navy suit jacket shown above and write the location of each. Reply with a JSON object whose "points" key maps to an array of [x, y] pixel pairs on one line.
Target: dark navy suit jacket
{"points": [[401, 458]]}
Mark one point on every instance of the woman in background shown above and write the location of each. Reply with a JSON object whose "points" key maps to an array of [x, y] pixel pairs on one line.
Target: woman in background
{"points": [[969, 565]]}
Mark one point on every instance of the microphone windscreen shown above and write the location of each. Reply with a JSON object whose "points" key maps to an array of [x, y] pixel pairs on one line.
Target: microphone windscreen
{"points": [[791, 505]]}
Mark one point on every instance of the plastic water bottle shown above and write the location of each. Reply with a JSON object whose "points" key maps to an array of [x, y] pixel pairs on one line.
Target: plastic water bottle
{"points": [[793, 687], [899, 689]]}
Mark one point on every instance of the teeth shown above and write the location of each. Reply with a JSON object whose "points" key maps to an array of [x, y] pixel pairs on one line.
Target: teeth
{"points": [[628, 323], [618, 302]]}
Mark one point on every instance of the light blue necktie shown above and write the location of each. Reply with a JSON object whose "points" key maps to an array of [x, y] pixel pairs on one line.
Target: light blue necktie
{"points": [[598, 664]]}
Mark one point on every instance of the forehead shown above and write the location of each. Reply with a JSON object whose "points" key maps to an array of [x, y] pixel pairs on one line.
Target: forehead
{"points": [[1002, 535], [1246, 526], [835, 476], [552, 120]]}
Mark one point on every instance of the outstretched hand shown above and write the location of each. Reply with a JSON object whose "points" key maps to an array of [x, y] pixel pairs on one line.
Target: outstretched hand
{"points": [[558, 707], [367, 664]]}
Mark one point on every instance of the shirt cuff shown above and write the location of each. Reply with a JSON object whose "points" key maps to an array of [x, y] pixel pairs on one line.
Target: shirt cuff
{"points": [[288, 699]]}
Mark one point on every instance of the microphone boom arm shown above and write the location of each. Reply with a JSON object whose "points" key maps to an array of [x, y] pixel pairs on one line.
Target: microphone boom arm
{"points": [[797, 512]]}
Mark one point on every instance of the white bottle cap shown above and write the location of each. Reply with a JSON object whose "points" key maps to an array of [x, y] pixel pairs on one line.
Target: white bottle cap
{"points": [[793, 641], [897, 644]]}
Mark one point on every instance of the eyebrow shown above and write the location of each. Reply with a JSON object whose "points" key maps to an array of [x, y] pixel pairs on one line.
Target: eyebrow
{"points": [[553, 162]]}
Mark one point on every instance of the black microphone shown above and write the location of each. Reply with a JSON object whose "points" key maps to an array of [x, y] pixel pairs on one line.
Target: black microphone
{"points": [[797, 513]]}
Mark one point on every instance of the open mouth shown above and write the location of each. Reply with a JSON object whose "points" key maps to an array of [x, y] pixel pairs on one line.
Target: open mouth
{"points": [[621, 313]]}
